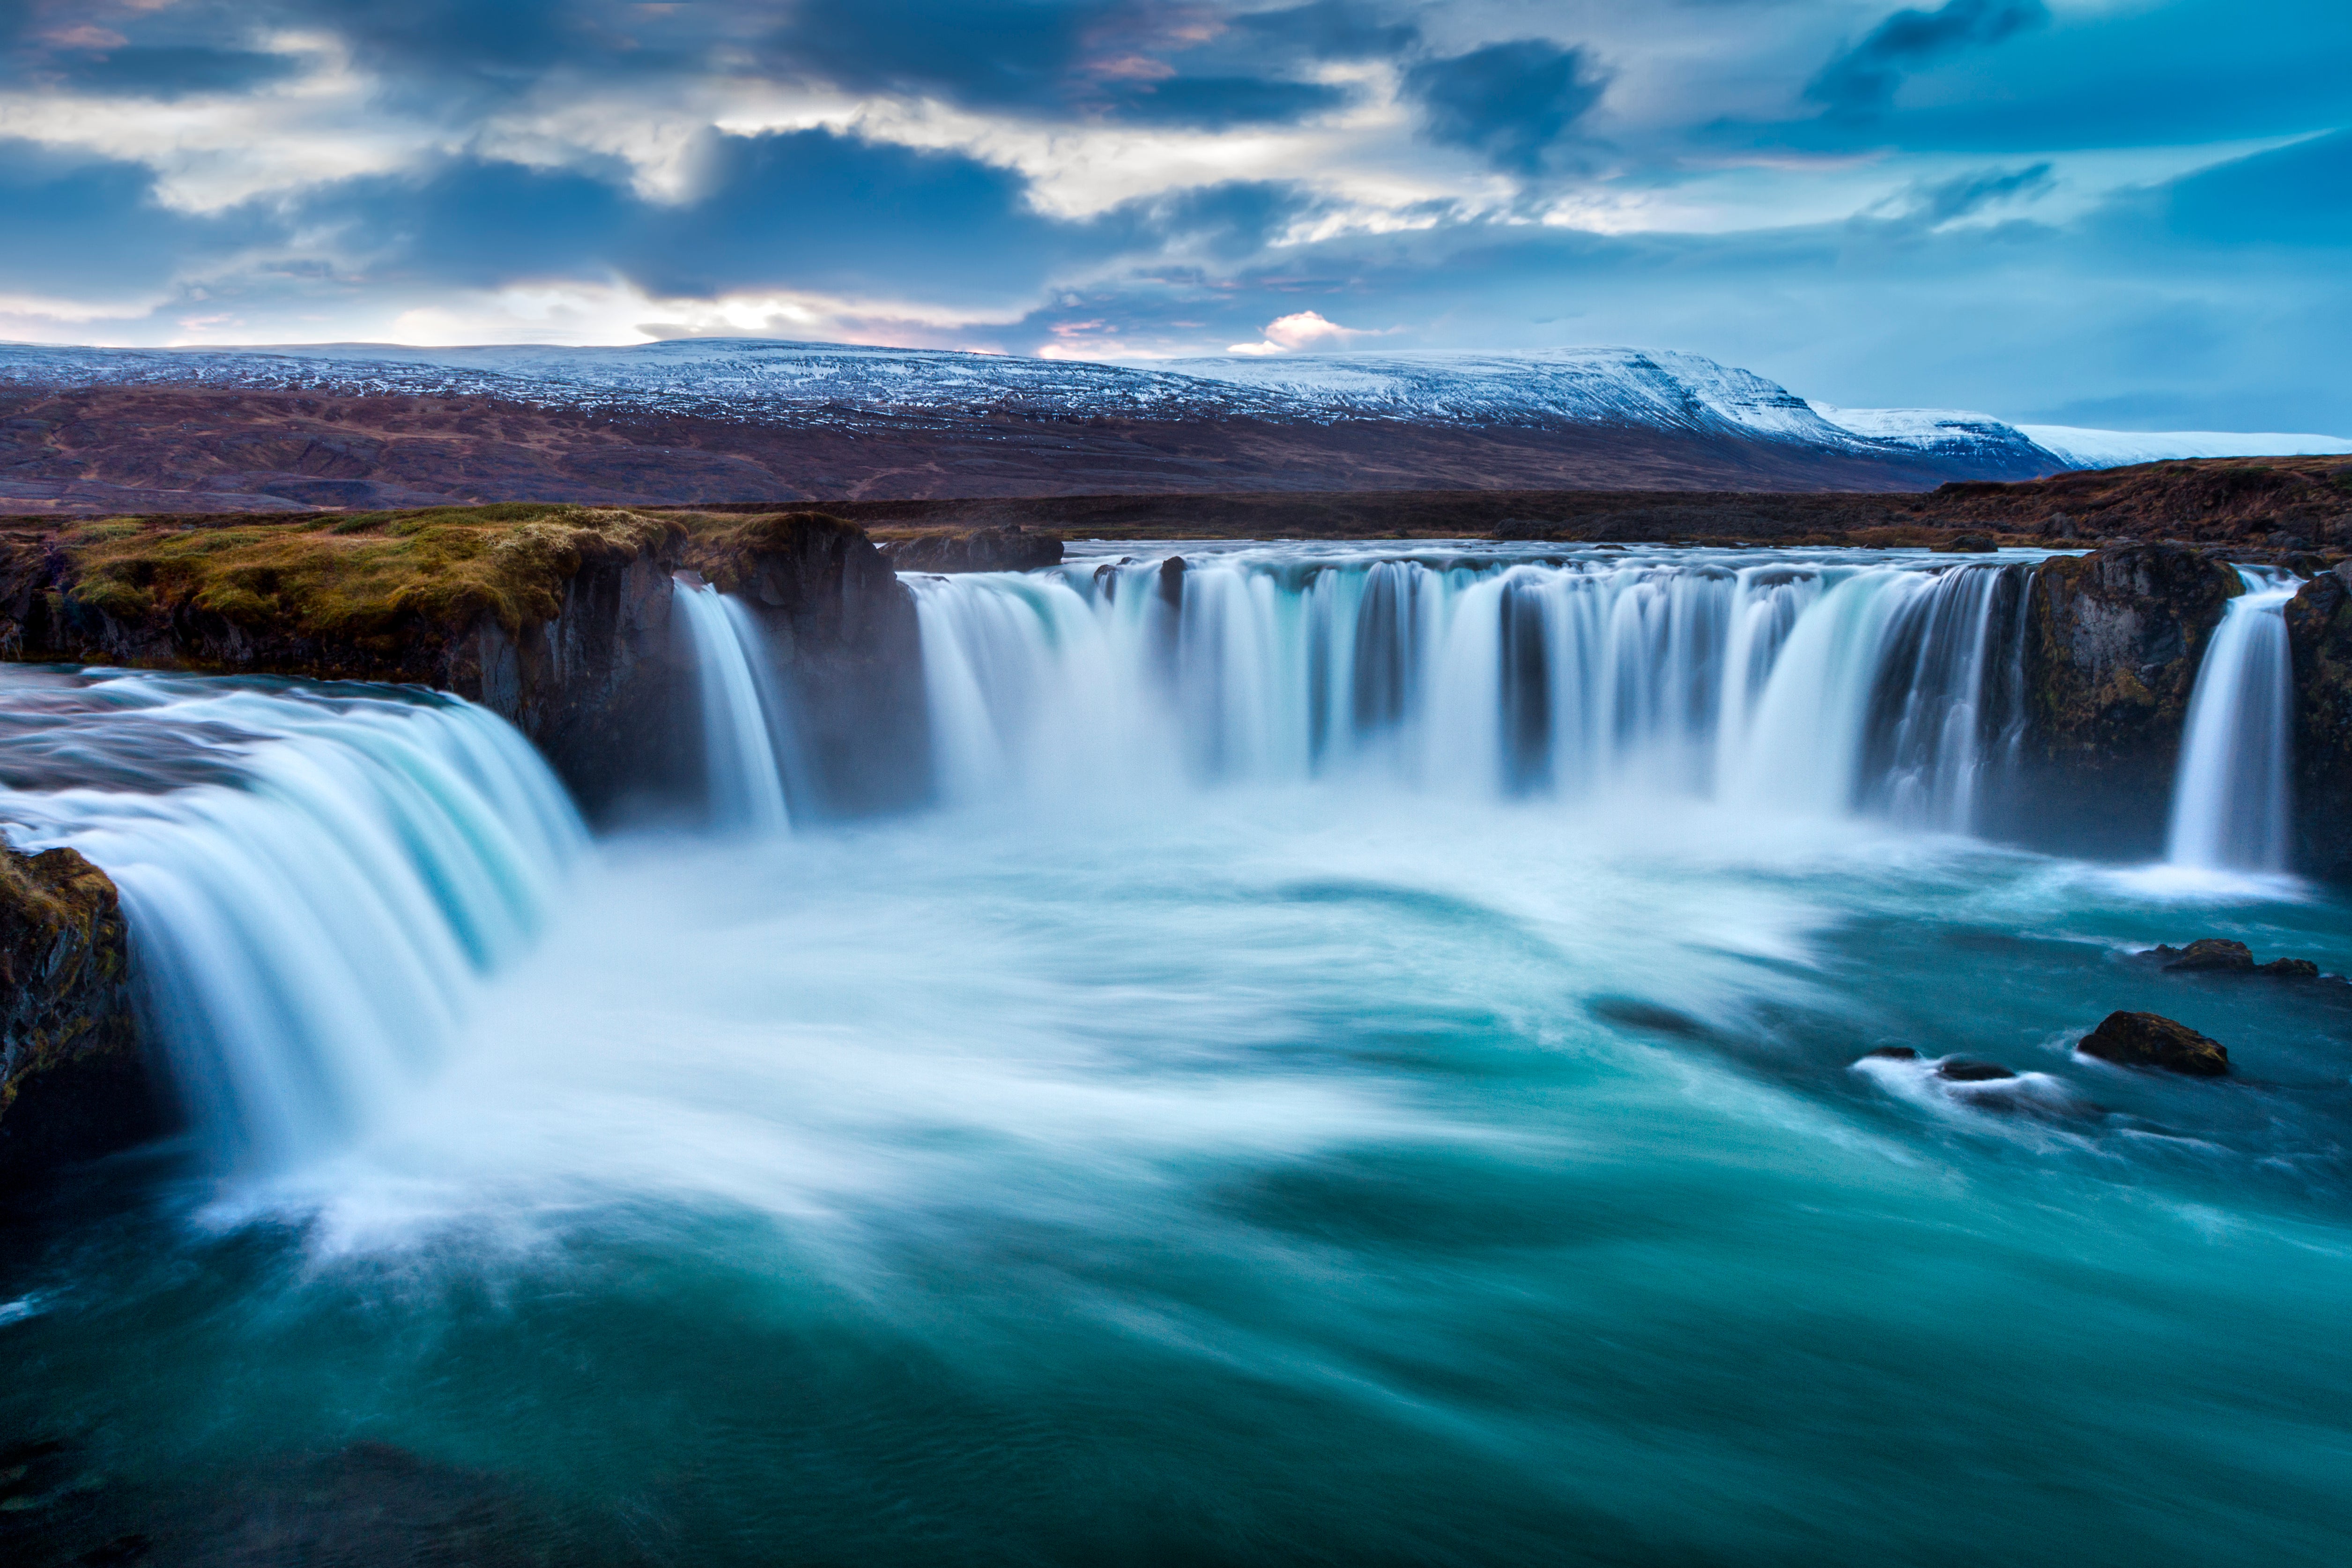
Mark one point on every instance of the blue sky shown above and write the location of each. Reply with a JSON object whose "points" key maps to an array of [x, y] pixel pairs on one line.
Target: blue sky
{"points": [[2109, 212]]}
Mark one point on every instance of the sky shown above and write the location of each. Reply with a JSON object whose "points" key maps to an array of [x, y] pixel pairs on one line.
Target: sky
{"points": [[2119, 212]]}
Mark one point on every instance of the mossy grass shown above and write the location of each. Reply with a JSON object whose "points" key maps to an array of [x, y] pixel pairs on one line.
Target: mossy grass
{"points": [[362, 573]]}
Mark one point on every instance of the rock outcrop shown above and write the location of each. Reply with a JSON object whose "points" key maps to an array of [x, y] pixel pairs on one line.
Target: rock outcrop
{"points": [[74, 1079], [1009, 548], [2319, 635], [2112, 643], [557, 619], [844, 629], [2153, 1040], [2219, 955], [2208, 955]]}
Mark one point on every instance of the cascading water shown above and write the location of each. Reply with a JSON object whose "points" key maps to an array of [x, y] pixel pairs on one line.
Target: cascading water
{"points": [[741, 710], [2231, 806], [315, 877], [1382, 1170], [1811, 685]]}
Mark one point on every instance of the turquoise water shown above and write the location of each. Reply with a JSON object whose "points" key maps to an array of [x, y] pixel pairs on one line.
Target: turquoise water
{"points": [[1282, 1176]]}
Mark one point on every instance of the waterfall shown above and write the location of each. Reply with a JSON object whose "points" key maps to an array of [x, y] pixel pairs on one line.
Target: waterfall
{"points": [[740, 709], [2230, 803], [1819, 686], [316, 879]]}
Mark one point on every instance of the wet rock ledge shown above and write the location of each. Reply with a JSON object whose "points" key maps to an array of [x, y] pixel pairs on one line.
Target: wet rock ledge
{"points": [[74, 1079], [556, 617]]}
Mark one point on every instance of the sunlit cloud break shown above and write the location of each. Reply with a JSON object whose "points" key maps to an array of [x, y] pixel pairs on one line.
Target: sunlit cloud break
{"points": [[1999, 204]]}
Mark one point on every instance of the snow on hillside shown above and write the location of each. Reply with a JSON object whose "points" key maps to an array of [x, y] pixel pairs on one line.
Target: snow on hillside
{"points": [[1569, 385], [849, 386], [2079, 448], [1949, 433]]}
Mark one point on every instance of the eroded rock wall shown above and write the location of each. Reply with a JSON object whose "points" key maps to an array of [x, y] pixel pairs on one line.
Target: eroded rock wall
{"points": [[844, 630], [591, 671], [2319, 633], [75, 1082], [2112, 644]]}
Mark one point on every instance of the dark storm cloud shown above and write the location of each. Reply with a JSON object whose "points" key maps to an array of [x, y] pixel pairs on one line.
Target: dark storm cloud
{"points": [[168, 71], [1966, 195], [1327, 30], [807, 210], [178, 53], [1510, 103], [470, 223], [78, 225], [820, 210], [1125, 61], [1864, 78], [2295, 195]]}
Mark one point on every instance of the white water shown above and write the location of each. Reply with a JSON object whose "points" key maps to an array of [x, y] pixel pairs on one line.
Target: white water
{"points": [[741, 708], [2231, 803], [1814, 685], [316, 878]]}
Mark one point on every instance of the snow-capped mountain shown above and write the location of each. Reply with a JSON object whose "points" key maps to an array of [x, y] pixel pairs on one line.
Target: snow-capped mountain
{"points": [[2080, 448], [825, 387]]}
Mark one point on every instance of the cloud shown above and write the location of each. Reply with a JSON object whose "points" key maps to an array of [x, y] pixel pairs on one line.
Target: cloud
{"points": [[86, 227], [1508, 102], [1124, 61], [1863, 79], [2299, 196], [1299, 330], [1834, 193], [1964, 195]]}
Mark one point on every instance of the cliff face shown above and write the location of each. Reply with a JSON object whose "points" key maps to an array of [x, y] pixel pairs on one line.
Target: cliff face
{"points": [[844, 630], [558, 618], [2112, 641], [74, 1081], [2319, 633]]}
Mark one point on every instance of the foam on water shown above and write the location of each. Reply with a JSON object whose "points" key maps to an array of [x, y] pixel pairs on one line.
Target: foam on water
{"points": [[316, 880], [1372, 1064]]}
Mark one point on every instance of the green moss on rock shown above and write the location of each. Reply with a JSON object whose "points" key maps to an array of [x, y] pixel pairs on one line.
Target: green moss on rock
{"points": [[73, 1078]]}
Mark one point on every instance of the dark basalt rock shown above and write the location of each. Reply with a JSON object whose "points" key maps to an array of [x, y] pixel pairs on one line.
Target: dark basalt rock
{"points": [[2152, 1040], [1172, 580], [1891, 1054], [2319, 638], [2219, 955], [2211, 955], [75, 1082], [2112, 644], [1966, 545], [580, 656], [1960, 1069], [842, 628], [1633, 1013], [1010, 548]]}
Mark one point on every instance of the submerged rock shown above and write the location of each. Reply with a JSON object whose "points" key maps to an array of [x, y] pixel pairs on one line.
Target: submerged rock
{"points": [[2209, 955], [1891, 1054], [2152, 1040], [2219, 955], [73, 1078], [1962, 1069]]}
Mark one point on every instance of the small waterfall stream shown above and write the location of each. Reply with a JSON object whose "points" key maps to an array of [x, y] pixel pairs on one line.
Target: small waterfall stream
{"points": [[735, 680], [2232, 805], [1813, 686], [316, 878]]}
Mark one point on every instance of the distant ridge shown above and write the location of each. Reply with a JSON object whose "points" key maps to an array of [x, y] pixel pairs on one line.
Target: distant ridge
{"points": [[754, 419]]}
